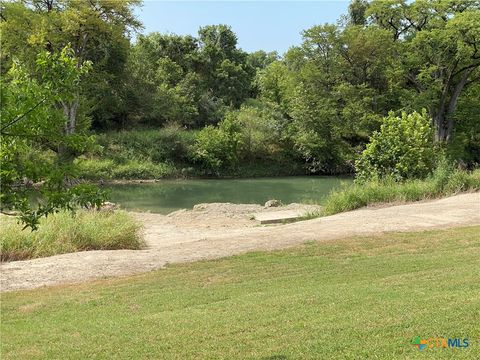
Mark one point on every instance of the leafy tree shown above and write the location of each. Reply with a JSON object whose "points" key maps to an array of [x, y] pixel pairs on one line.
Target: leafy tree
{"points": [[224, 68], [465, 143], [188, 80], [402, 149], [163, 70], [264, 131], [389, 55], [256, 131], [256, 62], [316, 134], [95, 30], [357, 12], [261, 59], [276, 84], [336, 89], [364, 89], [438, 46], [30, 137]]}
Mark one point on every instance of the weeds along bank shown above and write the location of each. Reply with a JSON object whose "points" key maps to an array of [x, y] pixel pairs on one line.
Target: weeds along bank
{"points": [[440, 184], [63, 233], [171, 152]]}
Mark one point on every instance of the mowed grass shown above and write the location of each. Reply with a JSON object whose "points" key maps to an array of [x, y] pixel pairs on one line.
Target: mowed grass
{"points": [[356, 298]]}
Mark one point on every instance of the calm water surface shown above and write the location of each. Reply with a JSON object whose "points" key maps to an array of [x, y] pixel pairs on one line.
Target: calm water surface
{"points": [[170, 195]]}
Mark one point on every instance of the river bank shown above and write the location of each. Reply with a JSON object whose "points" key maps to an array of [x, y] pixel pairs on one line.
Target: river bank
{"points": [[112, 170], [166, 196], [170, 240]]}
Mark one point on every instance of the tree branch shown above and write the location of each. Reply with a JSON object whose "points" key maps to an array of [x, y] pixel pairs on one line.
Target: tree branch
{"points": [[9, 213], [20, 117], [471, 66]]}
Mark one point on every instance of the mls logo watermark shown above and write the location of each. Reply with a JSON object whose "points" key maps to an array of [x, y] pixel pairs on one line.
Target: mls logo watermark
{"points": [[439, 342]]}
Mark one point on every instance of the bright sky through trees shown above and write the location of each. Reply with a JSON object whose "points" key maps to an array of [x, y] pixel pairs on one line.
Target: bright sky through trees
{"points": [[267, 25]]}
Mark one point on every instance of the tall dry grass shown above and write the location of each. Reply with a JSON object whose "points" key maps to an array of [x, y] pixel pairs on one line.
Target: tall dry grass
{"points": [[63, 233]]}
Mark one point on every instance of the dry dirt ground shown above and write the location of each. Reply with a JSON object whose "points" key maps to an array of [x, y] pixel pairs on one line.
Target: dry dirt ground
{"points": [[219, 230]]}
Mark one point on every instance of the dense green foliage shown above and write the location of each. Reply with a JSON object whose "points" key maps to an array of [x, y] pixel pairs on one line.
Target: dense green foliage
{"points": [[332, 91], [344, 299], [257, 132], [402, 149], [175, 152], [63, 233], [36, 143], [97, 31], [191, 81], [49, 97], [142, 154], [217, 147]]}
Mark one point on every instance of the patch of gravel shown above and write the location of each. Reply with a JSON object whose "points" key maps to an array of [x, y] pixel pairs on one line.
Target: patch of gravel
{"points": [[228, 214]]}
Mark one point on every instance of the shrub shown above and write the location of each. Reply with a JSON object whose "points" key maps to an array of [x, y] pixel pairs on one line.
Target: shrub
{"points": [[172, 144], [169, 144], [217, 147], [262, 131], [95, 168], [402, 149], [62, 233], [255, 132], [142, 170]]}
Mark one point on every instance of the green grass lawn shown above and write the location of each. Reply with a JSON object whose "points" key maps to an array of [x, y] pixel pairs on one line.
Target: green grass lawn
{"points": [[351, 299]]}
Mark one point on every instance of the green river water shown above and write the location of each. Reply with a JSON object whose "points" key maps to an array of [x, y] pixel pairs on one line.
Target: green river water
{"points": [[169, 195]]}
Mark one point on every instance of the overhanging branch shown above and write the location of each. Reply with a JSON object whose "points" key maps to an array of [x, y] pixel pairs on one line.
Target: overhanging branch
{"points": [[20, 117]]}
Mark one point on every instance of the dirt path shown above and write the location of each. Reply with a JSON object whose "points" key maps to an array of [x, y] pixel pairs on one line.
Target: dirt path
{"points": [[173, 239]]}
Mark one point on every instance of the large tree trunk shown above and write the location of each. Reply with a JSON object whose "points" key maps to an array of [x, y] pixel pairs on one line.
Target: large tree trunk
{"points": [[439, 124], [70, 111], [439, 121], [443, 120]]}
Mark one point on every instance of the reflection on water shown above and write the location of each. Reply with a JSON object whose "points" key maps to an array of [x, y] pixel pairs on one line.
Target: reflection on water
{"points": [[170, 195]]}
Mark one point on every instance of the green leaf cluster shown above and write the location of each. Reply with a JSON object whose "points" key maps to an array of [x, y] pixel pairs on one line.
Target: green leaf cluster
{"points": [[402, 149], [32, 136]]}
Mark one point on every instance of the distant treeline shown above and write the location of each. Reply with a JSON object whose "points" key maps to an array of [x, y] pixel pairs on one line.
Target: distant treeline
{"points": [[316, 104]]}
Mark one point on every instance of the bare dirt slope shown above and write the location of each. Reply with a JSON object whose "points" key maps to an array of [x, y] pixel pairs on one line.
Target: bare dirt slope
{"points": [[190, 236]]}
